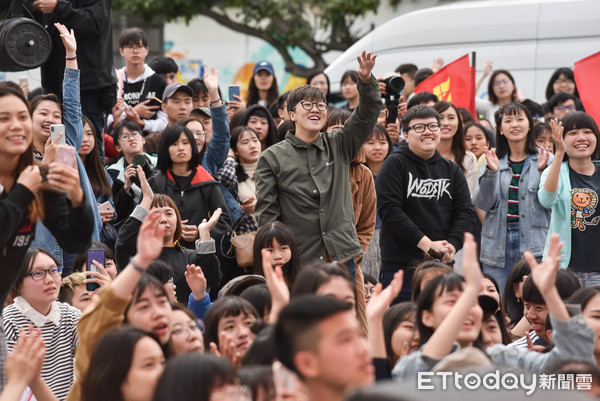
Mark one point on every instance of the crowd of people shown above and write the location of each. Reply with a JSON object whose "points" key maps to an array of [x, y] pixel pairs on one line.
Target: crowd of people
{"points": [[278, 247]]}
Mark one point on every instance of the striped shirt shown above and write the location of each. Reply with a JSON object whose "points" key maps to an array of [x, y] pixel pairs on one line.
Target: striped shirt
{"points": [[522, 342], [59, 331], [512, 215]]}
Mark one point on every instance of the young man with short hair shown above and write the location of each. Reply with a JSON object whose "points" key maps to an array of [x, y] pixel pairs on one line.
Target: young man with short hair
{"points": [[141, 89], [166, 67], [304, 181], [176, 104], [422, 199], [536, 310], [320, 339]]}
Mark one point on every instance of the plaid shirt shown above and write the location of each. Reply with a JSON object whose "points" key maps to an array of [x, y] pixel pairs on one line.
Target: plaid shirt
{"points": [[228, 178]]}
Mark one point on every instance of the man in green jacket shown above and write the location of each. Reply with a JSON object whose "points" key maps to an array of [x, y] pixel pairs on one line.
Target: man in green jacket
{"points": [[304, 182]]}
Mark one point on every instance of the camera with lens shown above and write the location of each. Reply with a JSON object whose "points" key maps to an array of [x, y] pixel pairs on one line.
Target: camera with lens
{"points": [[394, 85], [140, 160]]}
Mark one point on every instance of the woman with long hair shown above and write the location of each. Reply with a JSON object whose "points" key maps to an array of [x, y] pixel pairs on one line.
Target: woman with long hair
{"points": [[452, 142], [262, 88], [501, 90], [514, 221], [570, 188]]}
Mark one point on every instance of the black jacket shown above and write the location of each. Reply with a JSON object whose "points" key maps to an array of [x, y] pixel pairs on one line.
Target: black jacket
{"points": [[176, 257], [417, 197], [92, 22], [196, 202]]}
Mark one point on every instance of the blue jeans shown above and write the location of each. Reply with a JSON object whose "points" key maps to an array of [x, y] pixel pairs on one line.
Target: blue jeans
{"points": [[512, 256], [386, 277], [588, 279]]}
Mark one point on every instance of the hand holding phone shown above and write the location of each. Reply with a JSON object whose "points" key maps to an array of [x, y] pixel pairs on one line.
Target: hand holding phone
{"points": [[55, 131], [65, 154], [234, 90], [98, 256]]}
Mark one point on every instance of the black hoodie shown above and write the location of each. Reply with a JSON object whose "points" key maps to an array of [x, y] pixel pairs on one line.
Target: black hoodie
{"points": [[417, 197]]}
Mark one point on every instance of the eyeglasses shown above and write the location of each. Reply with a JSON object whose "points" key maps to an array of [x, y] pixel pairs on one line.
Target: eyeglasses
{"points": [[500, 83], [41, 274], [125, 137], [134, 47], [199, 133], [565, 108], [420, 128], [308, 105], [564, 81], [185, 330]]}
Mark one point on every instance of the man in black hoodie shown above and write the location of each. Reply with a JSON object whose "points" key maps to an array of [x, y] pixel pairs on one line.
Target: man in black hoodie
{"points": [[423, 201]]}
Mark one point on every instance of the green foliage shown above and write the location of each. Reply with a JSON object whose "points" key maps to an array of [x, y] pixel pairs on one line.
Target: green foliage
{"points": [[282, 23]]}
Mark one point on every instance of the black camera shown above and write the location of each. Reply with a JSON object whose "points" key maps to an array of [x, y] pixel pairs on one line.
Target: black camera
{"points": [[394, 84]]}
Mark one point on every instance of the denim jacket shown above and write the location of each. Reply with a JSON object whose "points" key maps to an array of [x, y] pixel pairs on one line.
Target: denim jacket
{"points": [[74, 133], [492, 197]]}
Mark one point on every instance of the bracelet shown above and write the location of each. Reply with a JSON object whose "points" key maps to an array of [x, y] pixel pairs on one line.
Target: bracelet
{"points": [[136, 267], [211, 103], [71, 58]]}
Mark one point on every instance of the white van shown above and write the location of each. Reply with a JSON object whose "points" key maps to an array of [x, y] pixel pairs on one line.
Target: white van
{"points": [[529, 38]]}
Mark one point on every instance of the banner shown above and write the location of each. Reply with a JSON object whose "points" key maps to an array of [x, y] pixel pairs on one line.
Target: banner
{"points": [[454, 83], [587, 79]]}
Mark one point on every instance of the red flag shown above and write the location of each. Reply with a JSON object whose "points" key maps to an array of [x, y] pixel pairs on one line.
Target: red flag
{"points": [[587, 78], [454, 83]]}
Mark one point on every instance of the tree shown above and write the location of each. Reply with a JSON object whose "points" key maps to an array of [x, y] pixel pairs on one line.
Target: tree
{"points": [[315, 26]]}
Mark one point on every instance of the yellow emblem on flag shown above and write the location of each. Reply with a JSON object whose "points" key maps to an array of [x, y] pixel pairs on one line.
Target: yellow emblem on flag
{"points": [[442, 91]]}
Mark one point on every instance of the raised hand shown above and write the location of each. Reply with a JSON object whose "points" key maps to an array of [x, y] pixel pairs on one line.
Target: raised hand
{"points": [[100, 277], [438, 63], [50, 149], [150, 239], [280, 293], [491, 159], [543, 159], [488, 66], [381, 299], [194, 276], [557, 130], [366, 62], [68, 39], [24, 364], [211, 80], [147, 193], [205, 227], [544, 274], [471, 268]]}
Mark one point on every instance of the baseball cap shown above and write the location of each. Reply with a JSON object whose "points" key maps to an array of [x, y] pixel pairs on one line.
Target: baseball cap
{"points": [[172, 88], [264, 66], [200, 110]]}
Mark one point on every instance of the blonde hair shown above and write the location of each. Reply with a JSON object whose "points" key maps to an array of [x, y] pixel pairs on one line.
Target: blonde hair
{"points": [[67, 287]]}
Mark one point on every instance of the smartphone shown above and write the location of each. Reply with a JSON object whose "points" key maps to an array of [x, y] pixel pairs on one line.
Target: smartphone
{"points": [[65, 154], [106, 207], [234, 90], [57, 129], [154, 101], [98, 256]]}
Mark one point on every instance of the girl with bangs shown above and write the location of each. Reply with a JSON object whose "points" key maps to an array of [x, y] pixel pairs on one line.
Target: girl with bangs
{"points": [[35, 303], [237, 175], [570, 188], [514, 221], [279, 241], [176, 256], [228, 328], [452, 142], [448, 312]]}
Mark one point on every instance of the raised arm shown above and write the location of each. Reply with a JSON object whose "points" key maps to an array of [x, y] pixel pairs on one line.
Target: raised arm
{"points": [[442, 340], [219, 143], [551, 182]]}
